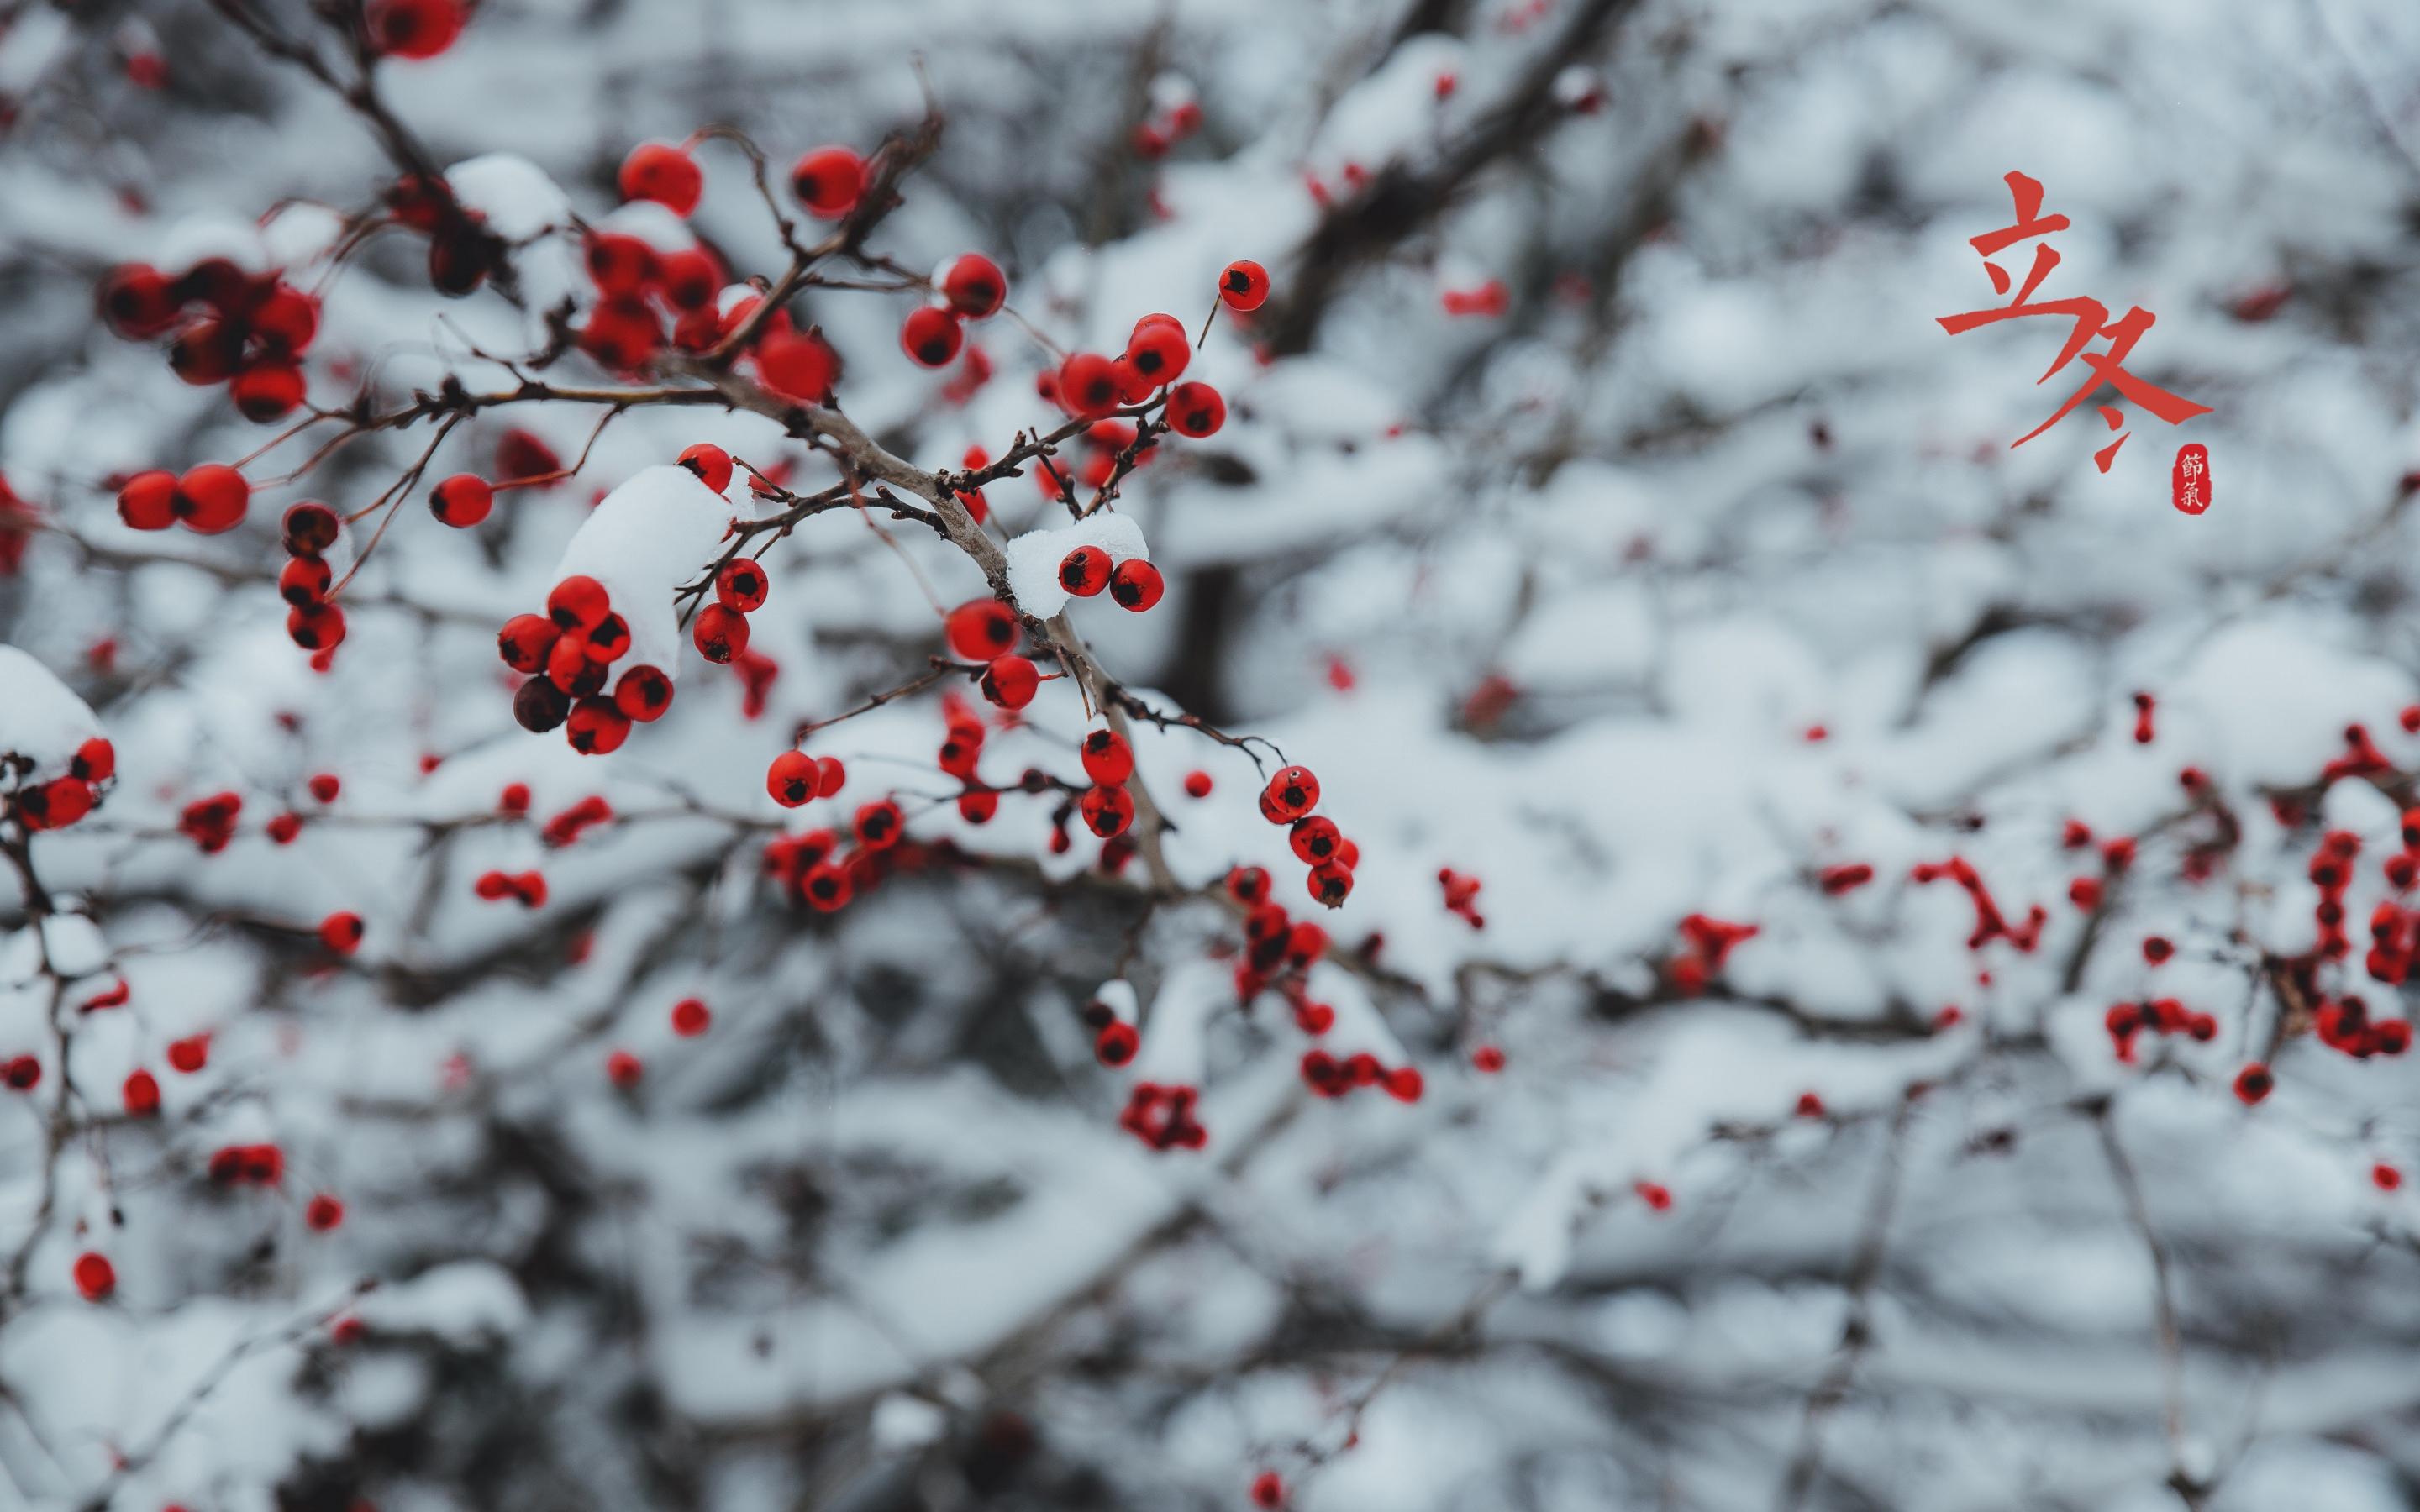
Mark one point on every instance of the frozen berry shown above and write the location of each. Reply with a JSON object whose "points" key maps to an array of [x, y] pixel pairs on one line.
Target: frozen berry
{"points": [[931, 335], [720, 633], [578, 603], [1108, 759], [741, 586], [1196, 410], [462, 501], [1010, 682], [1089, 385], [664, 173], [1291, 794], [644, 693], [711, 464], [829, 181], [1158, 350], [148, 500], [525, 641], [1085, 571], [595, 727], [414, 28], [1244, 285], [1137, 585], [975, 285], [691, 1018], [982, 629], [341, 932], [1107, 810], [212, 498], [793, 778]]}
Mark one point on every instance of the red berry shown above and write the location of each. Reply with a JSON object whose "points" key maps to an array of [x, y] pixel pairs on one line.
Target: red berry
{"points": [[1158, 350], [741, 586], [95, 761], [606, 642], [711, 464], [462, 500], [978, 807], [1107, 810], [282, 828], [324, 787], [1404, 1083], [975, 285], [830, 776], [720, 634], [341, 932], [1291, 794], [287, 320], [664, 173], [2385, 1176], [595, 727], [190, 1054], [1315, 839], [323, 1213], [1137, 585], [622, 1068], [1268, 1489], [414, 28], [137, 302], [981, 630], [1116, 1043], [304, 582], [1244, 285], [1108, 759], [308, 528], [2252, 1083], [878, 825], [1654, 1194], [1085, 571], [267, 391], [1197, 785], [1249, 886], [797, 365], [94, 1277], [931, 335], [829, 181], [644, 694], [1487, 1058], [690, 1018], [1011, 681], [141, 1094], [1196, 410], [578, 603], [1089, 385], [212, 498], [316, 626], [1329, 884], [793, 778], [539, 706], [148, 500], [525, 641]]}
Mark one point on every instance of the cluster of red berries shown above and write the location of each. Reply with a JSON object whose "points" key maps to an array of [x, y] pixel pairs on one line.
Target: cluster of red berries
{"points": [[1107, 807], [1275, 943], [209, 500], [796, 778], [1330, 1077], [529, 888], [313, 621], [1989, 924], [962, 744], [1164, 129], [1136, 584], [1489, 299], [210, 822], [2116, 854], [1461, 895], [2143, 706], [66, 798], [462, 253], [247, 1165], [1288, 800], [283, 828], [2361, 757], [2332, 872], [568, 651], [1163, 1117], [2343, 1024], [1710, 943], [813, 869], [968, 287], [224, 326], [2163, 1015], [639, 287]]}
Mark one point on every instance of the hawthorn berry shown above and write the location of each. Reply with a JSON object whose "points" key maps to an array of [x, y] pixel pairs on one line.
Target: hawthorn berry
{"points": [[578, 603], [56, 804], [711, 464], [607, 642], [1085, 571], [137, 302], [539, 706], [661, 172], [975, 285], [414, 28], [1090, 385], [1011, 681], [1404, 1083], [826, 887], [2157, 949], [1158, 349], [205, 352], [981, 630], [1268, 1489], [148, 500], [283, 828], [316, 626], [1330, 882], [286, 319], [978, 807], [830, 776], [1107, 810], [2384, 1177], [691, 1018], [21, 1072], [1291, 794], [595, 727], [212, 497], [793, 778], [323, 1213], [307, 529], [462, 501], [267, 391], [341, 932], [741, 586], [515, 799], [1657, 1197], [829, 181], [931, 335], [1249, 886], [94, 1277], [878, 825], [622, 1068], [1108, 759], [1244, 285], [1487, 1058], [720, 633], [1137, 585], [644, 694], [1116, 1043], [526, 641], [1315, 839], [141, 1094], [190, 1054], [2252, 1083], [797, 365], [1196, 410]]}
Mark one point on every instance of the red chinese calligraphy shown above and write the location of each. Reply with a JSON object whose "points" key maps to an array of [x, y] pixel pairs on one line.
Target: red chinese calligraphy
{"points": [[2091, 322]]}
